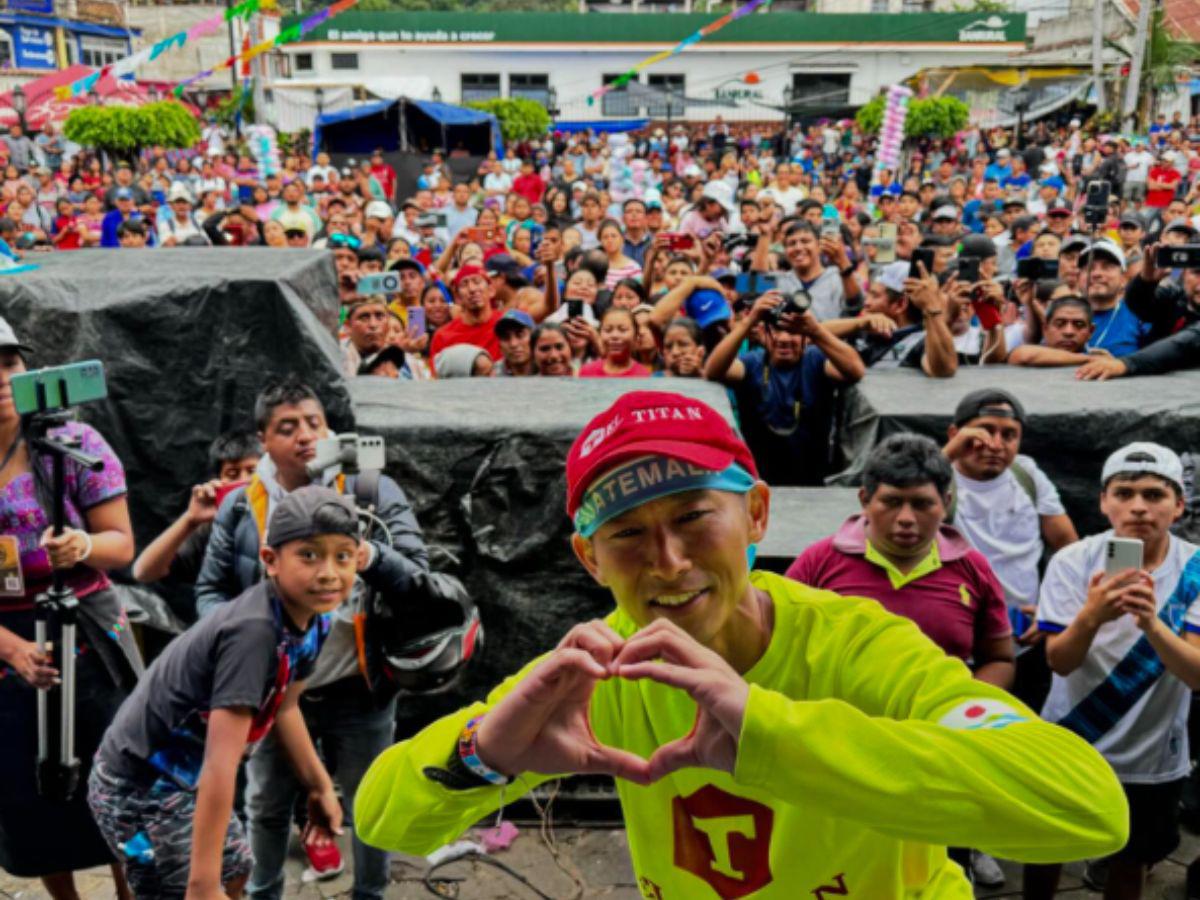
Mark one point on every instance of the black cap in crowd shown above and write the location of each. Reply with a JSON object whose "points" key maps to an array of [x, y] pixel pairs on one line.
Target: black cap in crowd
{"points": [[979, 246], [310, 511], [988, 402]]}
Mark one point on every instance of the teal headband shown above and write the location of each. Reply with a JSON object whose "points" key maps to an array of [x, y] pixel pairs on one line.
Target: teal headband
{"points": [[649, 478]]}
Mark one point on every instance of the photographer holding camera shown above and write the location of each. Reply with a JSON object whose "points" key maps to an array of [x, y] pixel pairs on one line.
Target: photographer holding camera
{"points": [[834, 292], [342, 716], [785, 389], [42, 837]]}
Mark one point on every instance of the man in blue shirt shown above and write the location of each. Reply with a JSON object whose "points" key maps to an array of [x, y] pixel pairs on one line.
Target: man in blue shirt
{"points": [[1117, 329], [125, 211], [1001, 168]]}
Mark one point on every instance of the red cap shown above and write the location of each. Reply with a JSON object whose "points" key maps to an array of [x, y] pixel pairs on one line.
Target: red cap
{"points": [[466, 272], [652, 423]]}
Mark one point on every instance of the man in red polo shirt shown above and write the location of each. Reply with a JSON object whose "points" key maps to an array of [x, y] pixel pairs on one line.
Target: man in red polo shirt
{"points": [[476, 321], [900, 552]]}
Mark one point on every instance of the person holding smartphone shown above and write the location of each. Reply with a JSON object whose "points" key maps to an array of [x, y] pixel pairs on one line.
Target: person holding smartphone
{"points": [[1123, 642]]}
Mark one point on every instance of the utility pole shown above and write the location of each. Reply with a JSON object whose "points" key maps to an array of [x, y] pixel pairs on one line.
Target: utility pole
{"points": [[1098, 54], [1141, 39]]}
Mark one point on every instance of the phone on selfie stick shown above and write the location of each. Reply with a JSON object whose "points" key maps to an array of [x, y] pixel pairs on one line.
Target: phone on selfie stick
{"points": [[43, 398]]}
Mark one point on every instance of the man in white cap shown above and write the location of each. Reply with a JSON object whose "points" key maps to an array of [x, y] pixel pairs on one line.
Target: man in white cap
{"points": [[181, 224], [1125, 649], [1117, 329]]}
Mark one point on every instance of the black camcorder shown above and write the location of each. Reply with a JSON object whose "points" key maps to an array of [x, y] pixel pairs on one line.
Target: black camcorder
{"points": [[1181, 256]]}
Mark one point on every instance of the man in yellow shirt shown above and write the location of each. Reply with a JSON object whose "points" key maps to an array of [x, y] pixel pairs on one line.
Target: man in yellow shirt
{"points": [[768, 740]]}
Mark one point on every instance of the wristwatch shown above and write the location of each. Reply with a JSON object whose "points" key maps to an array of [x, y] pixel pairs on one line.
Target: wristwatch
{"points": [[848, 271]]}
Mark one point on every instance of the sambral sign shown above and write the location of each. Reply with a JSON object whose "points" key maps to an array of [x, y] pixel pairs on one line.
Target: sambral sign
{"points": [[992, 30]]}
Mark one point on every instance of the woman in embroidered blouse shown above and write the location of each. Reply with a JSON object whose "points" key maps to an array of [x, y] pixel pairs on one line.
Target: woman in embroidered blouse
{"points": [[41, 838]]}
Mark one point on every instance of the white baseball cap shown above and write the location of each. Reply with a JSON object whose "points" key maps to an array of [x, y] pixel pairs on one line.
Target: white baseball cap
{"points": [[1146, 458], [378, 209], [721, 192], [893, 275], [1107, 248], [9, 340]]}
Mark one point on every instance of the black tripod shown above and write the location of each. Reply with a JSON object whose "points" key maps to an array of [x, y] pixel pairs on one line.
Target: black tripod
{"points": [[57, 610]]}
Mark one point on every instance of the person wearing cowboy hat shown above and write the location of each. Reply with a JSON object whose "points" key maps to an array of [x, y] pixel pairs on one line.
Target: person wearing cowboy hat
{"points": [[180, 224]]}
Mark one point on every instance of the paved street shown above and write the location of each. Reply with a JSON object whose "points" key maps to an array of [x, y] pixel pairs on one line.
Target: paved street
{"points": [[592, 864]]}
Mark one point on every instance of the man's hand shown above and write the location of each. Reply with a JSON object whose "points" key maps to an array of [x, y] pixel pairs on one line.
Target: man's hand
{"points": [[1151, 272], [1139, 601], [1106, 595], [665, 653], [579, 329], [67, 549], [691, 364], [924, 291], [202, 505], [29, 662], [967, 440], [764, 305], [545, 254], [835, 251], [804, 323], [1101, 369], [1023, 291], [877, 323], [543, 727], [324, 817], [1032, 635]]}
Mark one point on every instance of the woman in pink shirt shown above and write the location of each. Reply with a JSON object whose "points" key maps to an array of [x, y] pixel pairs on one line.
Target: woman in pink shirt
{"points": [[618, 338]]}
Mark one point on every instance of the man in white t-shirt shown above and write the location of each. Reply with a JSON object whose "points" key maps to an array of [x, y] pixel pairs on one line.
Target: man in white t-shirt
{"points": [[1137, 173], [1125, 650], [1011, 513]]}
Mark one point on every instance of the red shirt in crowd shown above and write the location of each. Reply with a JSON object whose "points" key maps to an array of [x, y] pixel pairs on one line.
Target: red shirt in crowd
{"points": [[1165, 173], [595, 369], [530, 186], [953, 596], [386, 176], [456, 331]]}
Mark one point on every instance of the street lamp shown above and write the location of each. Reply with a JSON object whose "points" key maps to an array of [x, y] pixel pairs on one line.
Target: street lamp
{"points": [[319, 96], [1021, 100], [435, 95], [552, 103], [787, 105], [19, 103]]}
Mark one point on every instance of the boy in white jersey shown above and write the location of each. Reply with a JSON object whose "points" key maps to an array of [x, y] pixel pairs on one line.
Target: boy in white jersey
{"points": [[1125, 650]]}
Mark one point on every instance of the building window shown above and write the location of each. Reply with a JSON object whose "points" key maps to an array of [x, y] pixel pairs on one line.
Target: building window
{"points": [[6, 50], [673, 85], [916, 6], [477, 86], [97, 51], [617, 102], [304, 62], [531, 87], [879, 6], [343, 61], [820, 91]]}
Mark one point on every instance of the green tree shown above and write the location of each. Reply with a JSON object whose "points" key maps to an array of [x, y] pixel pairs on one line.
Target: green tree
{"points": [[125, 130], [520, 118], [1166, 60], [983, 6], [939, 117]]}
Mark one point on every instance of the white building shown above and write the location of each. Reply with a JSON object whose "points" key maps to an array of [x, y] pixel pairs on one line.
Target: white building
{"points": [[828, 61]]}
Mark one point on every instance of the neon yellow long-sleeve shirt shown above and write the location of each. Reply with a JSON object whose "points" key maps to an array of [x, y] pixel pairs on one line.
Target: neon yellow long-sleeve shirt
{"points": [[864, 752]]}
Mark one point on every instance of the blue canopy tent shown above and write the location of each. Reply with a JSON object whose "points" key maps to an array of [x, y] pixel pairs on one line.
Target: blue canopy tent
{"points": [[405, 126]]}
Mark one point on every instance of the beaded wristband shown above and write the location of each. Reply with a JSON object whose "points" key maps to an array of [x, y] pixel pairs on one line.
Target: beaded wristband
{"points": [[470, 758]]}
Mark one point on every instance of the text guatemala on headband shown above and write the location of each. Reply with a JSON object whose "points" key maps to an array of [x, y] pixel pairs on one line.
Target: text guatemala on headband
{"points": [[649, 478]]}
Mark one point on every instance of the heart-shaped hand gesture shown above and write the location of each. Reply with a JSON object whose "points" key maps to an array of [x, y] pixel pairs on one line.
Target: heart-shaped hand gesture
{"points": [[665, 653], [542, 726]]}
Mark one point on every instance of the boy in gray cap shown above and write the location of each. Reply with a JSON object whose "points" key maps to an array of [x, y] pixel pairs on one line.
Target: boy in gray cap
{"points": [[163, 783]]}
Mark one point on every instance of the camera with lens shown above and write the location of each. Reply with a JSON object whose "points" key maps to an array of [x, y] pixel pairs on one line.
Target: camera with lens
{"points": [[793, 304], [1095, 205]]}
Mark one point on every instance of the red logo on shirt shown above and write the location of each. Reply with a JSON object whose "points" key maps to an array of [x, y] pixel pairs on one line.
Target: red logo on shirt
{"points": [[724, 840]]}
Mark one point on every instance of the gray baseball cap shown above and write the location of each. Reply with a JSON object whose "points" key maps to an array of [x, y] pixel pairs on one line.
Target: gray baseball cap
{"points": [[8, 338], [309, 511]]}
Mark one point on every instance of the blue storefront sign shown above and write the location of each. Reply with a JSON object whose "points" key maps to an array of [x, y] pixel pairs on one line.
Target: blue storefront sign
{"points": [[33, 48], [42, 7]]}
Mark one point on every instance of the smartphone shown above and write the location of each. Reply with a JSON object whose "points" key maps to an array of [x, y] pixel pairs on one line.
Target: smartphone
{"points": [[677, 241], [574, 309], [1037, 269], [481, 235], [379, 283], [1121, 554], [225, 490], [968, 269], [416, 321], [885, 252], [830, 229], [439, 220], [60, 387], [750, 283], [923, 255], [1186, 256]]}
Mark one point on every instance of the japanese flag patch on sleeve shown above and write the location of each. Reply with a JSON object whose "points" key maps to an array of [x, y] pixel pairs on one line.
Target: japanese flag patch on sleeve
{"points": [[981, 714]]}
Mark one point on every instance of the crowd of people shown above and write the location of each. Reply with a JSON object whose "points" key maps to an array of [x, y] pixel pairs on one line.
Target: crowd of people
{"points": [[781, 263]]}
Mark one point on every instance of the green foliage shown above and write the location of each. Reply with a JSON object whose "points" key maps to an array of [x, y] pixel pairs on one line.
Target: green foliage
{"points": [[520, 118], [982, 6], [126, 129], [227, 110], [1166, 57], [938, 117], [296, 142]]}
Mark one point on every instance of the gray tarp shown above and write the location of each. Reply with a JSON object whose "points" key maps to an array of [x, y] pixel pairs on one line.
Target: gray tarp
{"points": [[1072, 426]]}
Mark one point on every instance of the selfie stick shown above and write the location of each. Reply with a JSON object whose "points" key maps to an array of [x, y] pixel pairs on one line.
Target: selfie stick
{"points": [[57, 777]]}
